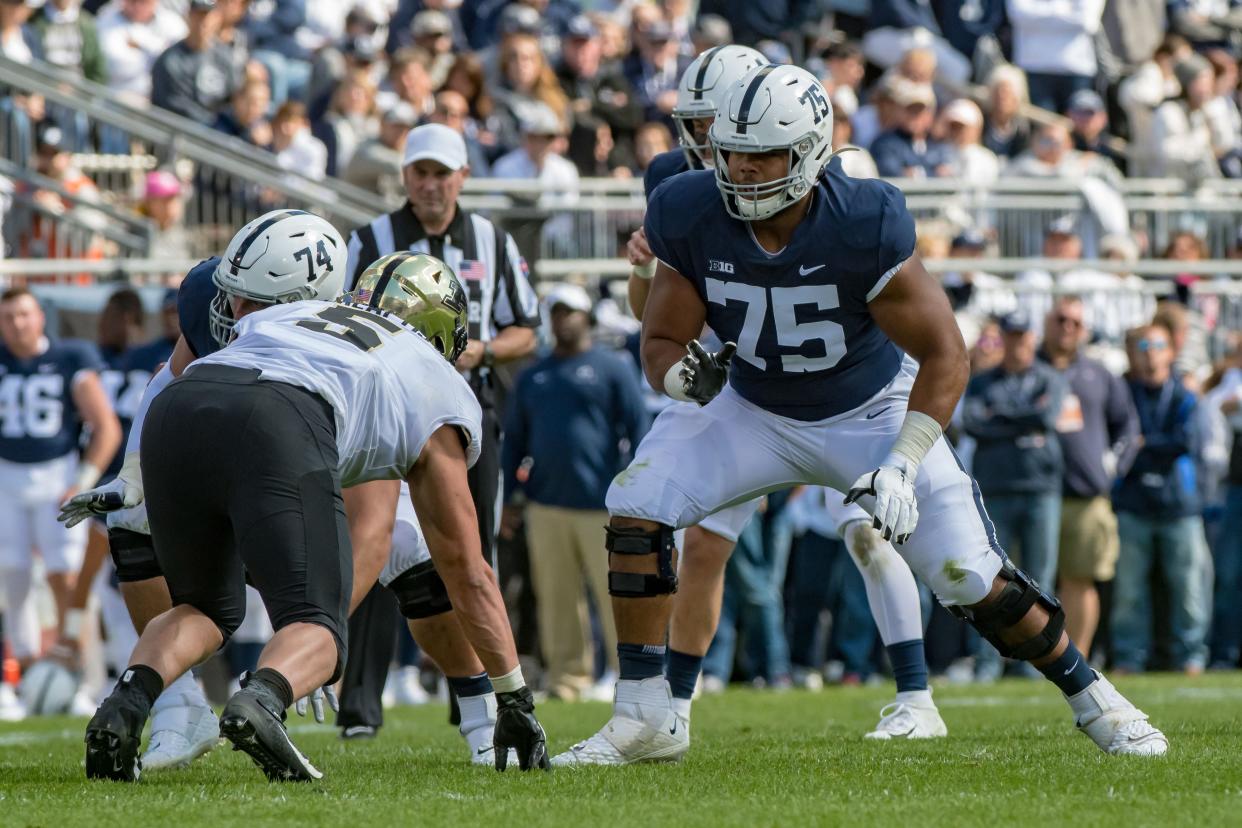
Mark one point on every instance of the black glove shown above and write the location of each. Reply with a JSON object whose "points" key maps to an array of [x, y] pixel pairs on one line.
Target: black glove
{"points": [[517, 728], [703, 374]]}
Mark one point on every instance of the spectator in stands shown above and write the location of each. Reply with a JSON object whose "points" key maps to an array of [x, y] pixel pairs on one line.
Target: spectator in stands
{"points": [[881, 114], [20, 112], [653, 138], [569, 413], [1222, 112], [376, 165], [408, 82], [357, 47], [843, 75], [1181, 135], [962, 128], [897, 26], [246, 117], [163, 204], [909, 150], [601, 99], [350, 120], [1205, 23], [432, 30], [273, 27], [1090, 134], [857, 162], [401, 24], [654, 69], [1188, 338], [1225, 397], [527, 84], [236, 38], [614, 39], [1008, 131], [197, 76], [539, 157], [70, 39], [1011, 411], [708, 32], [453, 111], [1055, 45], [553, 16], [44, 238], [989, 348], [295, 148], [19, 41], [1138, 95], [1097, 427], [1158, 512], [1052, 155], [753, 22], [974, 293], [468, 80], [132, 35]]}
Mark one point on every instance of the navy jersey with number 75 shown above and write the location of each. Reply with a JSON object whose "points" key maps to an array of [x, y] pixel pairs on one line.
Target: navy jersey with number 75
{"points": [[807, 346]]}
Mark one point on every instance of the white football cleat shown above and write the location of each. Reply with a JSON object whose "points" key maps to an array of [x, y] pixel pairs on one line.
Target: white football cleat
{"points": [[912, 716], [1113, 723], [643, 728], [180, 734], [407, 689], [11, 707]]}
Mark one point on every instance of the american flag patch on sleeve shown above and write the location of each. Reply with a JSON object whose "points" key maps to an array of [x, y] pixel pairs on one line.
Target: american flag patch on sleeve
{"points": [[472, 270]]}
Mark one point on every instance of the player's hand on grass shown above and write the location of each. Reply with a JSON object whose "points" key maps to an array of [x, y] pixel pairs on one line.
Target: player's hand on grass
{"points": [[316, 700], [110, 497], [896, 510], [517, 728], [703, 373]]}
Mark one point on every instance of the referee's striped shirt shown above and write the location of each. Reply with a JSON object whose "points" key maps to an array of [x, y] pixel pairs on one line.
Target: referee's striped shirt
{"points": [[485, 257]]}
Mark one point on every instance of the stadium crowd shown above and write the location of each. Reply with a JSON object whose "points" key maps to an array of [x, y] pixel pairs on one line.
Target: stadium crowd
{"points": [[1101, 432]]}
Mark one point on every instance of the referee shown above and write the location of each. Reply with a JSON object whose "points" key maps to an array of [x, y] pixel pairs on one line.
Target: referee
{"points": [[504, 312]]}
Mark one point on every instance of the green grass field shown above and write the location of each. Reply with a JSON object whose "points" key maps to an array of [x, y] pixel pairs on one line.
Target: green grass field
{"points": [[758, 759]]}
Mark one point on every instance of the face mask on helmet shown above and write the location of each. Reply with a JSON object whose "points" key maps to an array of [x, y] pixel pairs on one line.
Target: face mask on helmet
{"points": [[700, 92], [756, 202]]}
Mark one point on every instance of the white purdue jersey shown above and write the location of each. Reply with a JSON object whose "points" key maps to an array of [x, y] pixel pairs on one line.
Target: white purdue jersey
{"points": [[389, 387]]}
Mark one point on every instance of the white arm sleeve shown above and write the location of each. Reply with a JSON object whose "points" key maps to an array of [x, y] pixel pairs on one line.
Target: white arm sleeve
{"points": [[157, 384]]}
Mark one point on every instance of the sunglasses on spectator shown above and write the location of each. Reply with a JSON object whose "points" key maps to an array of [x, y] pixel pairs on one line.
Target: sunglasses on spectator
{"points": [[1068, 321], [1152, 344]]}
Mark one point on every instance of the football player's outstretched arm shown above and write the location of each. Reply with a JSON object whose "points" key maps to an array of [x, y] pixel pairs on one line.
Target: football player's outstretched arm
{"points": [[674, 316], [371, 509], [914, 312], [441, 495]]}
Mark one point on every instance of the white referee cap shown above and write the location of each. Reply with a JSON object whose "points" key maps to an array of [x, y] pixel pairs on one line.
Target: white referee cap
{"points": [[435, 142]]}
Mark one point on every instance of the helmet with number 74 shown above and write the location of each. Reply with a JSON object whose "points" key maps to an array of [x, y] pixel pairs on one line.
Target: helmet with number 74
{"points": [[772, 108], [422, 291], [282, 256]]}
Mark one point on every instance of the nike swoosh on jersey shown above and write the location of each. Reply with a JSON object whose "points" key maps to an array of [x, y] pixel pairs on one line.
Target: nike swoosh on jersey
{"points": [[803, 270], [875, 414]]}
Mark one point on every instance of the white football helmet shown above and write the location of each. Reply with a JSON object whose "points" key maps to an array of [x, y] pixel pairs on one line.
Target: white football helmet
{"points": [[773, 107], [701, 91], [282, 256]]}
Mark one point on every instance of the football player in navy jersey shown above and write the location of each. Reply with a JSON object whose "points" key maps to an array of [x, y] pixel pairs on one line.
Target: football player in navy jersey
{"points": [[891, 589], [49, 392], [814, 282]]}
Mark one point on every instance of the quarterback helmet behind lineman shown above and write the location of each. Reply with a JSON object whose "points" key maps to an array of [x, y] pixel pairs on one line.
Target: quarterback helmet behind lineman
{"points": [[772, 108], [423, 291], [282, 256], [701, 92]]}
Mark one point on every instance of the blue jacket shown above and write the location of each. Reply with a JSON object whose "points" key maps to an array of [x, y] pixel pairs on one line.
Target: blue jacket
{"points": [[1162, 482], [1013, 417], [894, 150], [567, 421]]}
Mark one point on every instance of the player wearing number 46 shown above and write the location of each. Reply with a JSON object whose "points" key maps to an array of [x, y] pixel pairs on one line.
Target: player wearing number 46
{"points": [[49, 390], [813, 275]]}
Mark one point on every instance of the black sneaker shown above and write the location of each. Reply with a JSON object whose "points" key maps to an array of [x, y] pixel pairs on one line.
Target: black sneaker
{"points": [[113, 738], [254, 723]]}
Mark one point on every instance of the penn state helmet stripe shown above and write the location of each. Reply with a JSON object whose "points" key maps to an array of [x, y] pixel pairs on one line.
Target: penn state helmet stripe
{"points": [[382, 284], [702, 76], [235, 264], [743, 112]]}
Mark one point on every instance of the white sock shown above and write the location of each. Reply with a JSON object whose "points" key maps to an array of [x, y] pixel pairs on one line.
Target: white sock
{"points": [[476, 711], [918, 698], [682, 707]]}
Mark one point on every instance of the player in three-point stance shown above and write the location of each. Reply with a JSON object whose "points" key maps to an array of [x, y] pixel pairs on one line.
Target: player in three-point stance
{"points": [[814, 281]]}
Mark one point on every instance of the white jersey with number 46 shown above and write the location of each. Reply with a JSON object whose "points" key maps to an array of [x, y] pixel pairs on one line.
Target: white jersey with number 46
{"points": [[389, 387]]}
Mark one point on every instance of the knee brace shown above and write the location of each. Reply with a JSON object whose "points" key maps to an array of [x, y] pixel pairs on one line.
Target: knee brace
{"points": [[636, 541], [421, 592], [1009, 608], [133, 554]]}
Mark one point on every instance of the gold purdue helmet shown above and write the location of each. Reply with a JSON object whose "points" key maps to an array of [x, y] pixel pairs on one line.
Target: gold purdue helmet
{"points": [[423, 291]]}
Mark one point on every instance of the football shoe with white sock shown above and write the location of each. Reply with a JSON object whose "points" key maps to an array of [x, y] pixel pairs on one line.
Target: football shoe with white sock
{"points": [[643, 728], [1113, 723], [912, 716]]}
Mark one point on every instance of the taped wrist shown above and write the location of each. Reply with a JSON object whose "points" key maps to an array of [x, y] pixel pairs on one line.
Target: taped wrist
{"points": [[644, 271], [510, 682], [88, 476], [638, 541], [674, 386], [918, 434]]}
